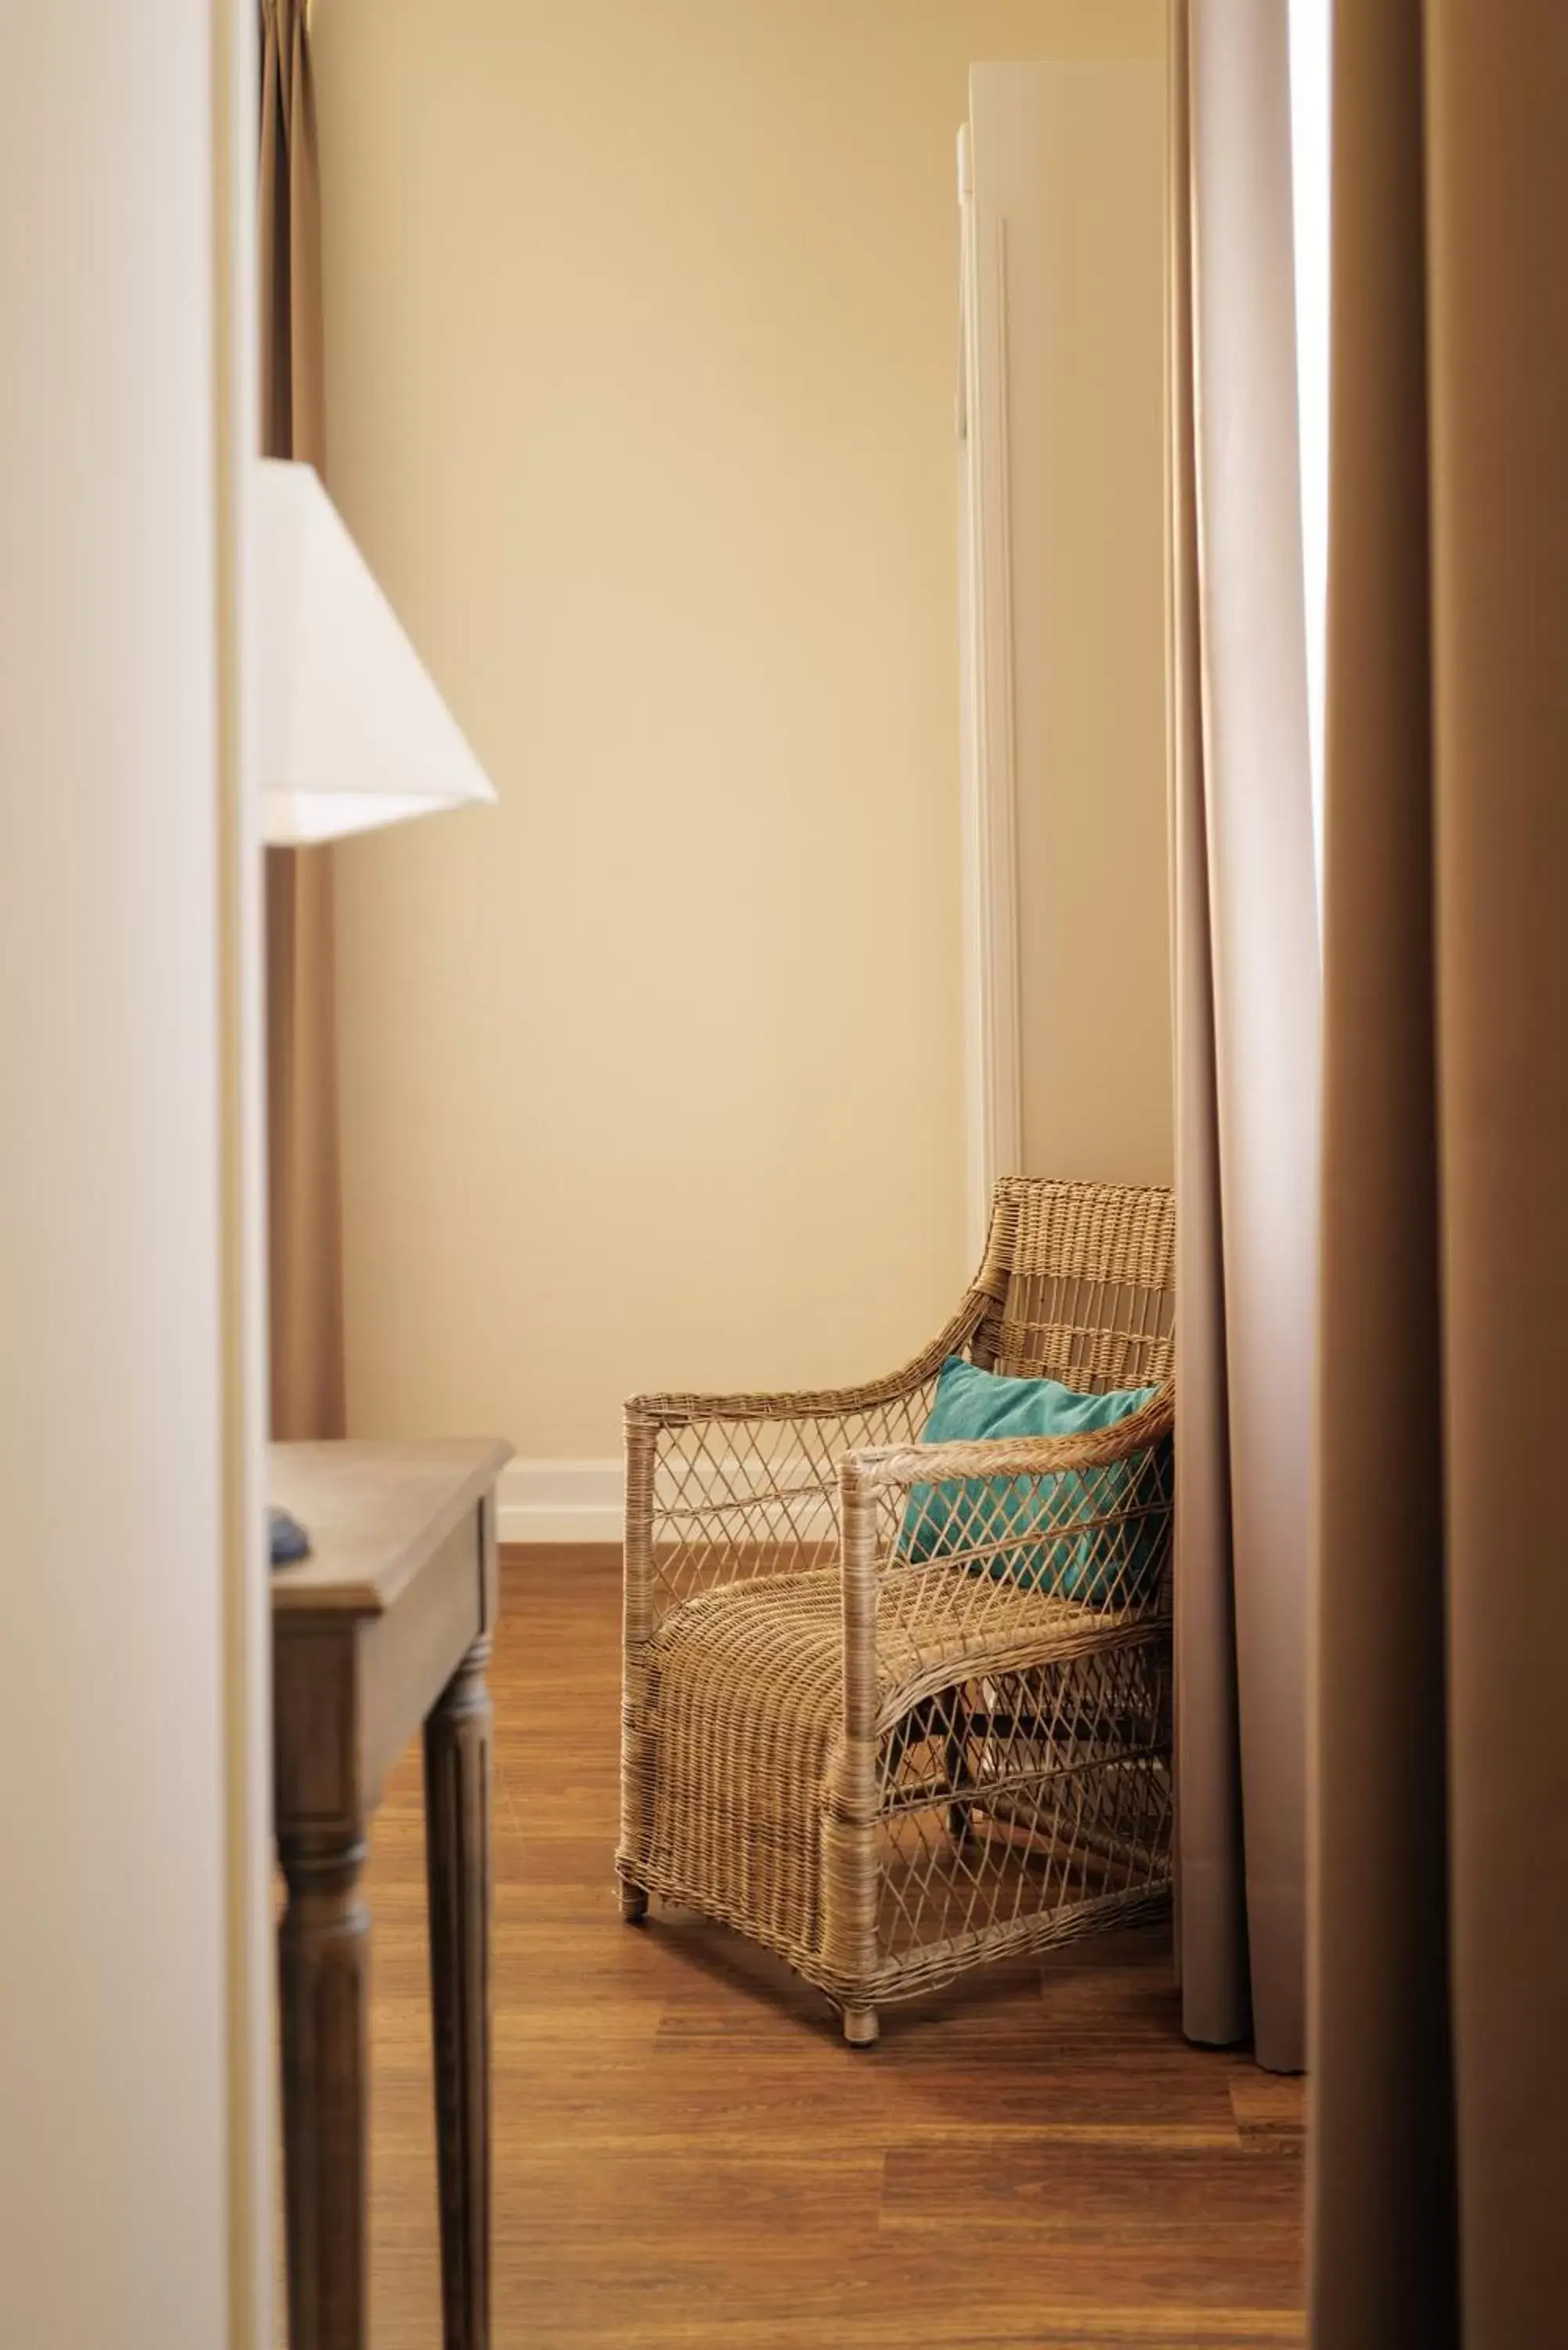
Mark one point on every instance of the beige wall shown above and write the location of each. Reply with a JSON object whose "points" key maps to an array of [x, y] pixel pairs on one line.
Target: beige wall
{"points": [[641, 342]]}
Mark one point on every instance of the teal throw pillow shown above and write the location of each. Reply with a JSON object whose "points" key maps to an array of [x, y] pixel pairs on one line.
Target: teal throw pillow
{"points": [[1055, 1527]]}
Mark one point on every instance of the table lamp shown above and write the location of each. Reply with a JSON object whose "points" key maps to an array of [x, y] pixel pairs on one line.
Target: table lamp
{"points": [[352, 733]]}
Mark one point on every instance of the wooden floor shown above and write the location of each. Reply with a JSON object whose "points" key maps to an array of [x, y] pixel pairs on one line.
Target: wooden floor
{"points": [[687, 2153]]}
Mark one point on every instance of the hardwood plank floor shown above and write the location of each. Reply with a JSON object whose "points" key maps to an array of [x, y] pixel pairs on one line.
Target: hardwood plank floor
{"points": [[687, 2153]]}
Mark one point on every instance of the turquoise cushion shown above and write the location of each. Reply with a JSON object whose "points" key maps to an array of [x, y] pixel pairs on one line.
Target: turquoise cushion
{"points": [[1054, 1525]]}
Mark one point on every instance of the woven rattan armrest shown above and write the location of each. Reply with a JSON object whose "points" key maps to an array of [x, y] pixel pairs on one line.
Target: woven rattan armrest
{"points": [[723, 1486], [810, 1403], [902, 1466]]}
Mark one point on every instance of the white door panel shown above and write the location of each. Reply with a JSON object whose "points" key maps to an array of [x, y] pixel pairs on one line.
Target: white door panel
{"points": [[1062, 508]]}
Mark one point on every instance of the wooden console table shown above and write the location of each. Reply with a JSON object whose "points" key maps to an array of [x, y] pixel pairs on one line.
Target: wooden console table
{"points": [[386, 1624]]}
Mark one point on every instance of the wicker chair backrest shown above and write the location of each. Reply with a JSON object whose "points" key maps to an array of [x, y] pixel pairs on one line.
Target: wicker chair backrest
{"points": [[1079, 1280]]}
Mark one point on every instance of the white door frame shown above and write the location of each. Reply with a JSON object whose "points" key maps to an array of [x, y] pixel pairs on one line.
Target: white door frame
{"points": [[135, 1939], [992, 1075], [246, 1692]]}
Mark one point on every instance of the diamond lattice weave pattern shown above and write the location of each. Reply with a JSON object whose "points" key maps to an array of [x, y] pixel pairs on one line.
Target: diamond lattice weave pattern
{"points": [[747, 1686]]}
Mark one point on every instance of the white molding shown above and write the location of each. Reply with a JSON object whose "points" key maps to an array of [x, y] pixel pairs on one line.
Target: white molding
{"points": [[560, 1501], [993, 1077]]}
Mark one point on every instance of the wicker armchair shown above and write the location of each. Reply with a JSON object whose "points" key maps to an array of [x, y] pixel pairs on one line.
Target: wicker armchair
{"points": [[890, 1758]]}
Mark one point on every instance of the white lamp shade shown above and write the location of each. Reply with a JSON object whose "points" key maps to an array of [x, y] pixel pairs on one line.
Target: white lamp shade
{"points": [[352, 733]]}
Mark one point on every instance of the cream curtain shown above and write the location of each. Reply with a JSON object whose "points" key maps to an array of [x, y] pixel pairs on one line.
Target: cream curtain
{"points": [[1247, 989], [1440, 1970], [305, 1280]]}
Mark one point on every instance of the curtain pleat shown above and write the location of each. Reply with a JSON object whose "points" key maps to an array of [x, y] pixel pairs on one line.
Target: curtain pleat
{"points": [[304, 1246], [1247, 1036], [1440, 1944]]}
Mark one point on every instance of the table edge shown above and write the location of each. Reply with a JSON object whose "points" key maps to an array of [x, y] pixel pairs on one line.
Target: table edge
{"points": [[293, 1595]]}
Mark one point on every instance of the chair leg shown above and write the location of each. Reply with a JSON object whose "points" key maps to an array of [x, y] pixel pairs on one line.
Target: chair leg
{"points": [[861, 2026], [636, 1740]]}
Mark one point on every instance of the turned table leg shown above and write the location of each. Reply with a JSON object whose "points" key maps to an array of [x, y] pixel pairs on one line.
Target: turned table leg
{"points": [[324, 1985], [457, 1837]]}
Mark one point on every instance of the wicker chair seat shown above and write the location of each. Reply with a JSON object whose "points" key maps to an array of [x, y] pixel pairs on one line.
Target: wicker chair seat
{"points": [[746, 1684]]}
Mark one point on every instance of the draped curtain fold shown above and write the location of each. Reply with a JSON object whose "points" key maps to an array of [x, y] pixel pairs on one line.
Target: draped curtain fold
{"points": [[304, 1276], [1441, 1948], [1247, 996]]}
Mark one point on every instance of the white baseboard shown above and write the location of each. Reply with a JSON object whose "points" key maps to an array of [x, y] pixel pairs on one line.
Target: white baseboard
{"points": [[560, 1501]]}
